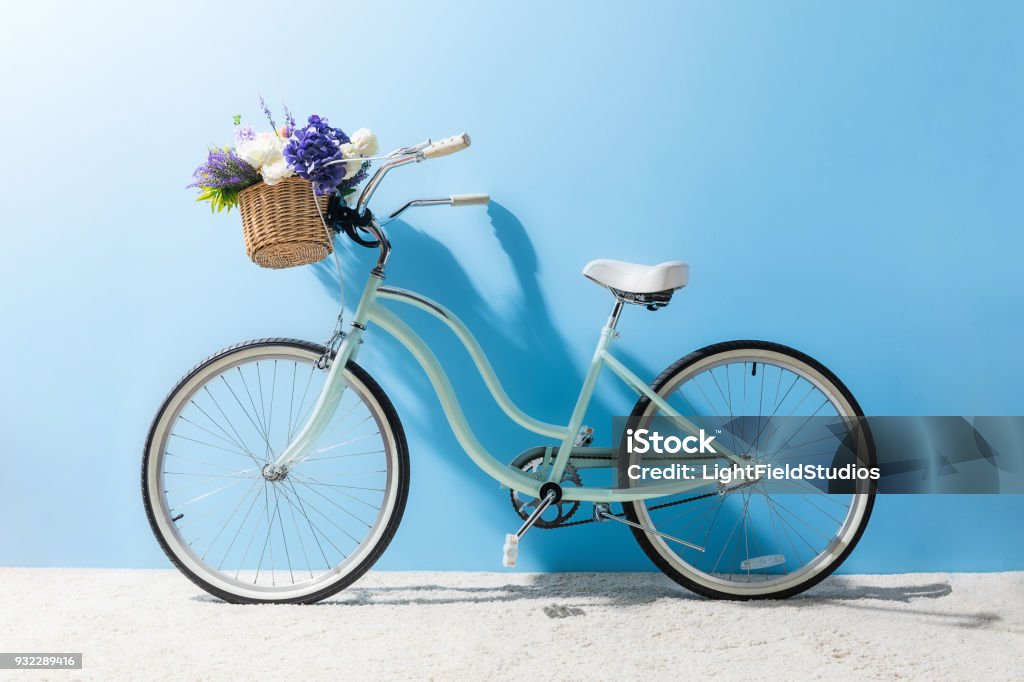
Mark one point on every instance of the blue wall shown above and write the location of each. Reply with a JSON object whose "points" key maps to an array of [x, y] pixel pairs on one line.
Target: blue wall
{"points": [[843, 178]]}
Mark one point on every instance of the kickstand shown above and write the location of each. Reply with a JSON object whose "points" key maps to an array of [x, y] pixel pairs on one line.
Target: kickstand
{"points": [[602, 513]]}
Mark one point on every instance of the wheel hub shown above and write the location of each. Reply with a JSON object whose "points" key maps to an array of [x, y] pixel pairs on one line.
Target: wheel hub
{"points": [[272, 472]]}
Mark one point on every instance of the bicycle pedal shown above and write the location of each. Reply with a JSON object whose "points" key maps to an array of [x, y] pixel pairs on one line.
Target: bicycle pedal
{"points": [[584, 437], [510, 552]]}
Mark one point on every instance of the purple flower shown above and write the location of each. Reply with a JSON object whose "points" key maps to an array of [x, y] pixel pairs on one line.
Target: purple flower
{"points": [[310, 151], [243, 133], [224, 169], [289, 121], [266, 112]]}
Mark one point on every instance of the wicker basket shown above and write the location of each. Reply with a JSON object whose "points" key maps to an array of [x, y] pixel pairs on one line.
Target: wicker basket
{"points": [[281, 225]]}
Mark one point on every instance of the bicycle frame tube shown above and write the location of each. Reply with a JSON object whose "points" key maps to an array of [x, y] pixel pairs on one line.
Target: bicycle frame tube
{"points": [[370, 310]]}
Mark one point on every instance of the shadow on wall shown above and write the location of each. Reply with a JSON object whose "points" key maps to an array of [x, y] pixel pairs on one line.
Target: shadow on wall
{"points": [[523, 343], [532, 359]]}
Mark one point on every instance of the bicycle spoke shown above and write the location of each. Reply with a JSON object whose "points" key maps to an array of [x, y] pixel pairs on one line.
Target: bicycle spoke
{"points": [[241, 445], [291, 399], [337, 489], [204, 495], [209, 445], [351, 454], [270, 528], [241, 448], [252, 538], [302, 402], [232, 516], [712, 374], [312, 526], [197, 461], [284, 536], [266, 440], [329, 520], [298, 532], [273, 392], [263, 405], [230, 424], [799, 518], [302, 483]]}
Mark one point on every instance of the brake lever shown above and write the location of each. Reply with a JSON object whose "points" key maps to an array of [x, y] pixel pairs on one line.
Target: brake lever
{"points": [[406, 151], [419, 202], [453, 200]]}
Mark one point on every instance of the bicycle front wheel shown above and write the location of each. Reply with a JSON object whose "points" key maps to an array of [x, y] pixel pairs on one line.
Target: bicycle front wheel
{"points": [[761, 538], [238, 529]]}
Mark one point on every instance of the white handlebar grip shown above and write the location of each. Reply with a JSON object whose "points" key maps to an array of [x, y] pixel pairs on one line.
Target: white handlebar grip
{"points": [[469, 199], [455, 143]]}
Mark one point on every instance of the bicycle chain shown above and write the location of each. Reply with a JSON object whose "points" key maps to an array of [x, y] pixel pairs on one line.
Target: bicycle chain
{"points": [[622, 514], [657, 506]]}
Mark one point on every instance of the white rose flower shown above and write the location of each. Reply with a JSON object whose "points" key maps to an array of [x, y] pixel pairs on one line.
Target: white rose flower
{"points": [[262, 150], [276, 171], [364, 142], [350, 151]]}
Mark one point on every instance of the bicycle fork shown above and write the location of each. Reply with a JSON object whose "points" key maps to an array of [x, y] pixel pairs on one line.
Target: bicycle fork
{"points": [[334, 387]]}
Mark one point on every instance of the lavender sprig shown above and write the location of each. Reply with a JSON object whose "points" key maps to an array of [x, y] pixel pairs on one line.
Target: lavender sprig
{"points": [[222, 177], [289, 121], [266, 112], [349, 183], [224, 169]]}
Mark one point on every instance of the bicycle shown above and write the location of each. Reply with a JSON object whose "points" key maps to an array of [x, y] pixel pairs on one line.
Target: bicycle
{"points": [[277, 470]]}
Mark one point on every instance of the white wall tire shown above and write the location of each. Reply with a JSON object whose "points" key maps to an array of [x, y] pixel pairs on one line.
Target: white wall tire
{"points": [[335, 573], [691, 569]]}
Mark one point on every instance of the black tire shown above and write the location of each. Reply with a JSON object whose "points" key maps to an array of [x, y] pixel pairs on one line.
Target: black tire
{"points": [[631, 508], [402, 453]]}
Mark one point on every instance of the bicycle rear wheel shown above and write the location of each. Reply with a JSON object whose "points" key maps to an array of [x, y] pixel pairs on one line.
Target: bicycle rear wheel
{"points": [[247, 534], [762, 539]]}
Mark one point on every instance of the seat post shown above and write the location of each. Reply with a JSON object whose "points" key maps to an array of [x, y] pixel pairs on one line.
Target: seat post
{"points": [[613, 319]]}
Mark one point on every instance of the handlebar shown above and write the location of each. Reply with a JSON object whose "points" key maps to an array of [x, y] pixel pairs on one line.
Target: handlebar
{"points": [[353, 221], [449, 145], [469, 199], [406, 155]]}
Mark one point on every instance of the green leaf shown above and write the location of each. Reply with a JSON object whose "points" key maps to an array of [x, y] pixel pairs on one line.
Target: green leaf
{"points": [[237, 118]]}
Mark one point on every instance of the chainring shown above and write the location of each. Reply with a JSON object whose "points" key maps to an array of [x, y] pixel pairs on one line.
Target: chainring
{"points": [[525, 504]]}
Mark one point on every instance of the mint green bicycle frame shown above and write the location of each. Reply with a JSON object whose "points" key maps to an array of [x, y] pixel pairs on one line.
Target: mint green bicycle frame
{"points": [[370, 310]]}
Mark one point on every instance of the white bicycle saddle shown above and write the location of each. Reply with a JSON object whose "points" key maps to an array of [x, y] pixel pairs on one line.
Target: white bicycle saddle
{"points": [[638, 279]]}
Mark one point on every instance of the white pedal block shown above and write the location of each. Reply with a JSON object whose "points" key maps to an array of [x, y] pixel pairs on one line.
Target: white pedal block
{"points": [[766, 561], [584, 437], [510, 552]]}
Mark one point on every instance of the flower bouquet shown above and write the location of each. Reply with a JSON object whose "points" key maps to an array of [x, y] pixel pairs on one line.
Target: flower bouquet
{"points": [[282, 180]]}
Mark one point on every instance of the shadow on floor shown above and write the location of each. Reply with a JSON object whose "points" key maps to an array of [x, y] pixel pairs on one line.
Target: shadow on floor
{"points": [[840, 592], [609, 589], [590, 586], [841, 589]]}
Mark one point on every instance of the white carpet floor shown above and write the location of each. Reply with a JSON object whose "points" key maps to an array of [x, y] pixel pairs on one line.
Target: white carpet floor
{"points": [[132, 624]]}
